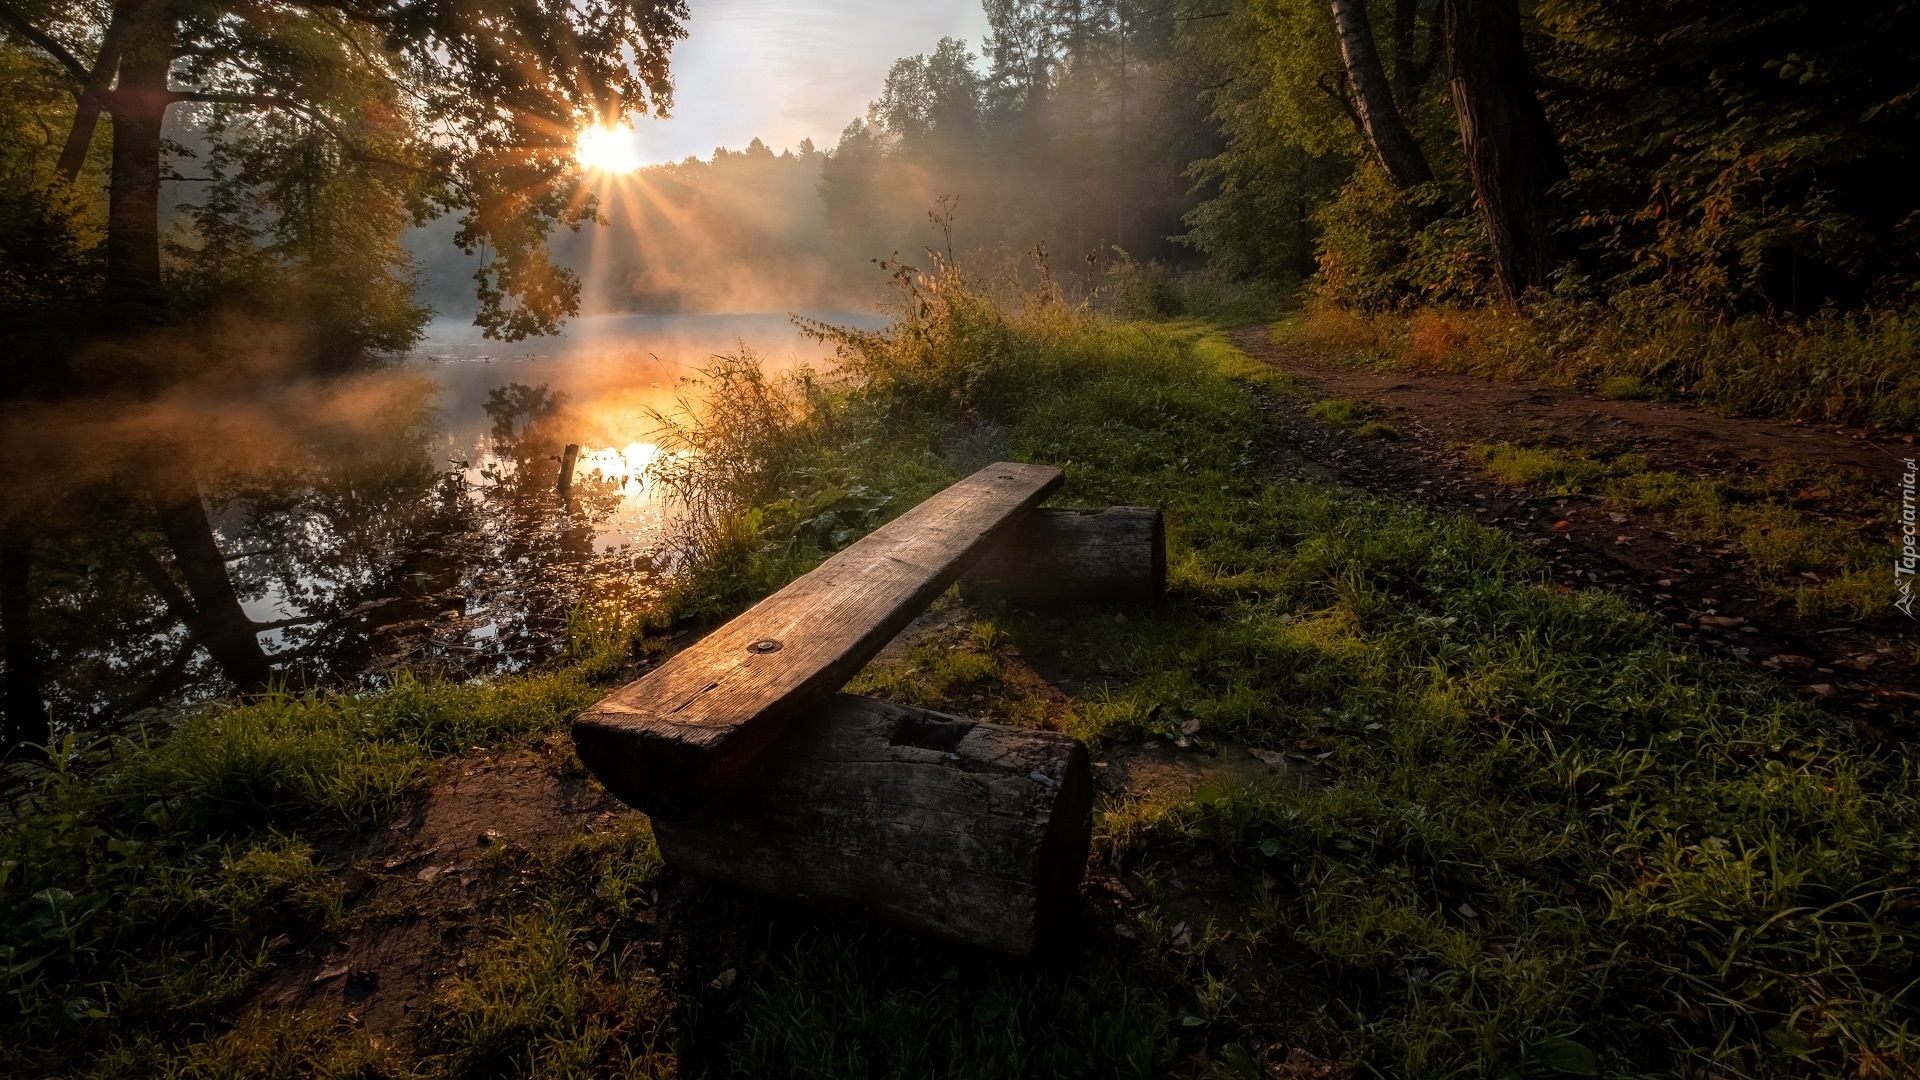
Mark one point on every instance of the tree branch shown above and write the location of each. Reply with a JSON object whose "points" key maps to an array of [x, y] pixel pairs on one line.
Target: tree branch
{"points": [[13, 18], [1346, 103], [311, 112], [93, 99], [177, 603]]}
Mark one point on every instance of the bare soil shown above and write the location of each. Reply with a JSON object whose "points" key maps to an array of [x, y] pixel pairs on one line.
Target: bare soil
{"points": [[1861, 669], [421, 890]]}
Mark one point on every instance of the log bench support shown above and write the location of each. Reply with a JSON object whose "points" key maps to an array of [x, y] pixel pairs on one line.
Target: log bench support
{"points": [[756, 773], [976, 832]]}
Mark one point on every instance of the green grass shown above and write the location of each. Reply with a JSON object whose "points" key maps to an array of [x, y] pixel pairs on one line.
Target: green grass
{"points": [[1818, 562], [1554, 842], [1354, 415], [1827, 368]]}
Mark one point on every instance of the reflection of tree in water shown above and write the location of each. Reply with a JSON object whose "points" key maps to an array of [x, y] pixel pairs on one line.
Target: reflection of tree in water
{"points": [[460, 570], [374, 557]]}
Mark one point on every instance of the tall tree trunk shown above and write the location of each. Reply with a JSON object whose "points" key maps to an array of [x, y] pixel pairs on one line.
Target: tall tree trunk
{"points": [[26, 717], [1380, 118], [1511, 149], [223, 625], [139, 106]]}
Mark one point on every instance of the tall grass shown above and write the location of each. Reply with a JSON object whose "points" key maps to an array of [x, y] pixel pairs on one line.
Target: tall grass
{"points": [[1840, 369]]}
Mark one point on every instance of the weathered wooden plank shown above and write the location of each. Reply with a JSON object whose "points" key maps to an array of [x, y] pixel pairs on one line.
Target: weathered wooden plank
{"points": [[1116, 555], [971, 831], [694, 727]]}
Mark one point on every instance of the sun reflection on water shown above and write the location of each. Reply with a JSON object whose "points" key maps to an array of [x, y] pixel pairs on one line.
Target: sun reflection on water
{"points": [[626, 465]]}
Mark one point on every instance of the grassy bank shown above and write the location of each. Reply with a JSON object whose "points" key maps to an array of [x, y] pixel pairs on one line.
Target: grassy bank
{"points": [[1551, 841], [1856, 369]]}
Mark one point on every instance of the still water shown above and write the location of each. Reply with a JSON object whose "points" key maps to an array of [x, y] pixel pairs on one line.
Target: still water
{"points": [[409, 519]]}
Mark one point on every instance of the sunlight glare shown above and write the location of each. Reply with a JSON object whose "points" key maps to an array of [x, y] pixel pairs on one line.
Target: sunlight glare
{"points": [[607, 149], [625, 466]]}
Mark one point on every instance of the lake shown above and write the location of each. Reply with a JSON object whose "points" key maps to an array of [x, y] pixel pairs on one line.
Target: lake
{"points": [[408, 519]]}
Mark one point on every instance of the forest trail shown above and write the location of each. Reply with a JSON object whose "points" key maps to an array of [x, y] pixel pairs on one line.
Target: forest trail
{"points": [[1862, 668]]}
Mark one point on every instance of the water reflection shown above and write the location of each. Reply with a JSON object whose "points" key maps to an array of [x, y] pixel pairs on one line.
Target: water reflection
{"points": [[327, 534]]}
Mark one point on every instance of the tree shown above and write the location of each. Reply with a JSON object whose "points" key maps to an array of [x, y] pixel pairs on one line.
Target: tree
{"points": [[1375, 107], [462, 106], [1512, 151]]}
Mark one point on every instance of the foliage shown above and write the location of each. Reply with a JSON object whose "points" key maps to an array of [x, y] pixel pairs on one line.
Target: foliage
{"points": [[1748, 160], [327, 130]]}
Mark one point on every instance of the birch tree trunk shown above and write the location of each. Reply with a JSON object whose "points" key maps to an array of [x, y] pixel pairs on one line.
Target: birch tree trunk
{"points": [[1386, 130]]}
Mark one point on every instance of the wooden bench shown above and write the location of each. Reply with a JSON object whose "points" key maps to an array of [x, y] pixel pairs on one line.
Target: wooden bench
{"points": [[691, 728], [756, 773]]}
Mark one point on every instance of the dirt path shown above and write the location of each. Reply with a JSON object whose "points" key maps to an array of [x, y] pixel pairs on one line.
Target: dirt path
{"points": [[1861, 669]]}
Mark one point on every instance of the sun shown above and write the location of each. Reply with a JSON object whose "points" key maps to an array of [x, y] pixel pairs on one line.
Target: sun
{"points": [[607, 149]]}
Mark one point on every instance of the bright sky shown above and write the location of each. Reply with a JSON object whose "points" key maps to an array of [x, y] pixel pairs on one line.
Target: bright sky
{"points": [[784, 70]]}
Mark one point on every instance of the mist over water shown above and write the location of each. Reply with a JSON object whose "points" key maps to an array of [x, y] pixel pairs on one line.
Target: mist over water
{"points": [[408, 518]]}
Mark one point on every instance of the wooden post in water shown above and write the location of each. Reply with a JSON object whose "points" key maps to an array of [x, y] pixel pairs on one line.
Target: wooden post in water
{"points": [[567, 462]]}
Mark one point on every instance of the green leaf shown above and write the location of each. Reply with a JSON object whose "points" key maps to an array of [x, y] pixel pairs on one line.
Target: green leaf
{"points": [[1568, 1056], [1270, 847]]}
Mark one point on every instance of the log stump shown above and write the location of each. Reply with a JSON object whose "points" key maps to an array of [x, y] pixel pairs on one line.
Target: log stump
{"points": [[971, 831], [1115, 556]]}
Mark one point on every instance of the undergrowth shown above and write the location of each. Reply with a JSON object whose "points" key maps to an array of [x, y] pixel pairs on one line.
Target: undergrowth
{"points": [[1548, 839], [1834, 369], [1820, 562]]}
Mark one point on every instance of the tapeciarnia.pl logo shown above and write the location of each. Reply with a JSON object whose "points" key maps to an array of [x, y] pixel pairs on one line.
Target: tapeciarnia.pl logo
{"points": [[1909, 561]]}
